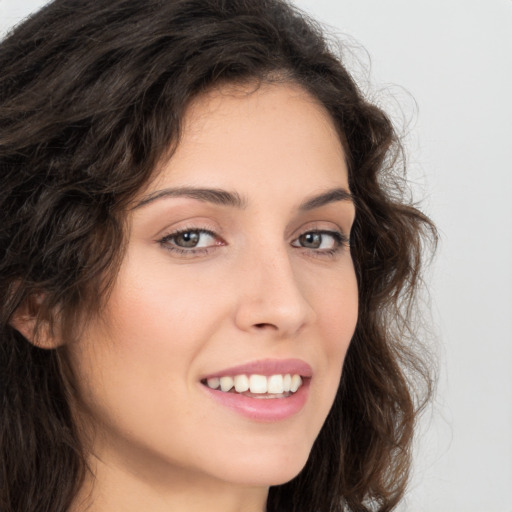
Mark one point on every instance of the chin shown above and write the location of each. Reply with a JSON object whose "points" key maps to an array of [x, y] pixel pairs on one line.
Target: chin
{"points": [[266, 469]]}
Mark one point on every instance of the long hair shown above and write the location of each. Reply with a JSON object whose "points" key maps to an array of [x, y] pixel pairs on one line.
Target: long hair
{"points": [[92, 97]]}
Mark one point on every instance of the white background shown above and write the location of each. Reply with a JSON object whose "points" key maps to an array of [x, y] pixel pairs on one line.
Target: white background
{"points": [[448, 63]]}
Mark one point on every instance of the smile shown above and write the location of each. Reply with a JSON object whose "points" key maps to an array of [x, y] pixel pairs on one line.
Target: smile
{"points": [[267, 390], [257, 386]]}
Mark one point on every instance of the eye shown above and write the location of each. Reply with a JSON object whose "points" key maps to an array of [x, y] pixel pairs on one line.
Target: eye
{"points": [[195, 239], [321, 241], [190, 241]]}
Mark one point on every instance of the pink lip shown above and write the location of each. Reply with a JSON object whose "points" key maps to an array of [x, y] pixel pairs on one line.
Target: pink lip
{"points": [[264, 409], [266, 367]]}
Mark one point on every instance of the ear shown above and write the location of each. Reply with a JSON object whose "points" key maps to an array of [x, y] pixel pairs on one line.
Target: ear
{"points": [[37, 331]]}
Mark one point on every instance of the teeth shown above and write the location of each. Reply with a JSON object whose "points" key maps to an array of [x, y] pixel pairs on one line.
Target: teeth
{"points": [[296, 383], [226, 383], [258, 384], [287, 382], [275, 384], [213, 383], [241, 383]]}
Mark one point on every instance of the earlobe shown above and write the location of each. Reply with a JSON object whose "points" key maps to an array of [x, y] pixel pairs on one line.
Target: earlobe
{"points": [[37, 331]]}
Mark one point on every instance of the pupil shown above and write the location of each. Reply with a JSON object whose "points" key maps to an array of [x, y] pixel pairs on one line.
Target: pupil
{"points": [[188, 239], [312, 240]]}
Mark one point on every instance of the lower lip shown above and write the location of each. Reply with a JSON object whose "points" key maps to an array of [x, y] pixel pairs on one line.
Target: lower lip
{"points": [[262, 409]]}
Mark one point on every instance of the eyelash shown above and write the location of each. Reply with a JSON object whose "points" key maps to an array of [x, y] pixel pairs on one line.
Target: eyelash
{"points": [[164, 242], [340, 239]]}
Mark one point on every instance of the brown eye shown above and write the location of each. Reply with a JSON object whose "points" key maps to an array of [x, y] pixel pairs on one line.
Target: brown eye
{"points": [[321, 241], [190, 240], [187, 239], [311, 240]]}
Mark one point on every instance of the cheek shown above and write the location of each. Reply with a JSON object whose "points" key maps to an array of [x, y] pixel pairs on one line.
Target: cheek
{"points": [[337, 313], [155, 327], [159, 308], [159, 325], [337, 306]]}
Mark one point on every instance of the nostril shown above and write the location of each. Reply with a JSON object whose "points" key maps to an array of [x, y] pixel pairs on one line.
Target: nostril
{"points": [[264, 326]]}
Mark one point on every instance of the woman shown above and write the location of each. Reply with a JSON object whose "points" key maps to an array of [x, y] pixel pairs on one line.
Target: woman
{"points": [[207, 267]]}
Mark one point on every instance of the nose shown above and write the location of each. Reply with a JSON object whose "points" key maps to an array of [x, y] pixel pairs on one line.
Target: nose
{"points": [[270, 296]]}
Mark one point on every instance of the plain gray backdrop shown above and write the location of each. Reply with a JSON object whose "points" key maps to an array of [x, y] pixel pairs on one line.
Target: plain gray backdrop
{"points": [[443, 68]]}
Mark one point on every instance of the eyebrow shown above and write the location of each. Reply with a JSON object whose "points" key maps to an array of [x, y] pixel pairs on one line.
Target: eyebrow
{"points": [[233, 199], [331, 196], [208, 195]]}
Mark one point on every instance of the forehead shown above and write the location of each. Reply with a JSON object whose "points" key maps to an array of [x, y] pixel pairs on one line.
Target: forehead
{"points": [[252, 136]]}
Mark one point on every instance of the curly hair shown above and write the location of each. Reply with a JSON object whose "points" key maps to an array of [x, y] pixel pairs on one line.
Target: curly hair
{"points": [[92, 96]]}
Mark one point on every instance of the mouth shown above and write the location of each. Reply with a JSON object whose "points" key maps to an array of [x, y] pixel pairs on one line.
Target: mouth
{"points": [[266, 390], [257, 386]]}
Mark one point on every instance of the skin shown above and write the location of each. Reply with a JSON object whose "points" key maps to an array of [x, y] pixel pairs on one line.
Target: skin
{"points": [[157, 440]]}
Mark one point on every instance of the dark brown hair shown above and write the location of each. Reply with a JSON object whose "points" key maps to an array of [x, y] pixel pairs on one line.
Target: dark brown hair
{"points": [[92, 94]]}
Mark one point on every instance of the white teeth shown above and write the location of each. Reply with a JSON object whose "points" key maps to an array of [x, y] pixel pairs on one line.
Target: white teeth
{"points": [[258, 384], [296, 383], [275, 384], [287, 382], [241, 383], [213, 383], [226, 383]]}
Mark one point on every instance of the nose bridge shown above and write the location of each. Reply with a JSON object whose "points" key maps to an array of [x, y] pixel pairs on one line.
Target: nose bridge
{"points": [[271, 295]]}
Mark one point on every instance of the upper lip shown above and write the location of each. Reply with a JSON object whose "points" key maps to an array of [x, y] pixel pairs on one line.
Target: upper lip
{"points": [[266, 367]]}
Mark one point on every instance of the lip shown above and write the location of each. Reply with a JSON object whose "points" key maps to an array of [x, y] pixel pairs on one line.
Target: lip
{"points": [[264, 409], [266, 367]]}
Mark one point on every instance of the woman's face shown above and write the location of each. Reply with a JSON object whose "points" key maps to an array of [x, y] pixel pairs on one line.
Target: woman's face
{"points": [[237, 265]]}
